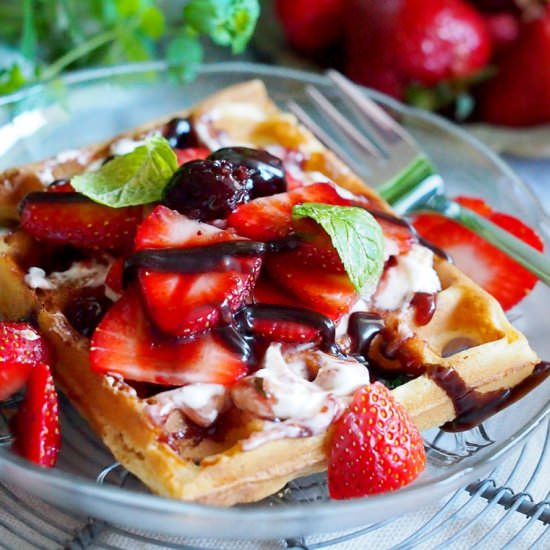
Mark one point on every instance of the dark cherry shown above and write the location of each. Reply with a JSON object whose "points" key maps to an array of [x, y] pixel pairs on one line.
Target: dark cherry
{"points": [[86, 311], [180, 133], [268, 174], [208, 189]]}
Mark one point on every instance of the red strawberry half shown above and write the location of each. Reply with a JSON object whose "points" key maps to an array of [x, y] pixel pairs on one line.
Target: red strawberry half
{"points": [[83, 223], [493, 270], [36, 424], [124, 344], [21, 348], [375, 446], [270, 218], [191, 153], [187, 303], [331, 294]]}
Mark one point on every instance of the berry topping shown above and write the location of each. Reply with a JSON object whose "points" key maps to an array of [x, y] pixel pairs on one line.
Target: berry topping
{"points": [[270, 218], [21, 347], [83, 224], [123, 344], [187, 303], [180, 134], [492, 269], [268, 174], [208, 189], [375, 446], [85, 311], [36, 424]]}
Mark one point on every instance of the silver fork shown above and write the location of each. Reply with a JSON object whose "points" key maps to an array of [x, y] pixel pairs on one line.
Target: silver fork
{"points": [[391, 155]]}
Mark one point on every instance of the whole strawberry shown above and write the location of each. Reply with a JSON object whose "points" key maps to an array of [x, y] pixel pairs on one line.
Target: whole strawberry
{"points": [[519, 94], [392, 44], [311, 25], [375, 446]]}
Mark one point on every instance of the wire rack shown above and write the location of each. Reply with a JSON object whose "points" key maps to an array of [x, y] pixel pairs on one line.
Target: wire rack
{"points": [[508, 509]]}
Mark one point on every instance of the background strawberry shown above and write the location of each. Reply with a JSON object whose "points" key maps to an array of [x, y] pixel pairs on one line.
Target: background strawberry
{"points": [[519, 94], [392, 44], [498, 274], [375, 446], [311, 25]]}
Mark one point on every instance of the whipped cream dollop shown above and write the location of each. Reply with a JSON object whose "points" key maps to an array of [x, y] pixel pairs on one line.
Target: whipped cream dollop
{"points": [[88, 273], [201, 403], [294, 405], [413, 272]]}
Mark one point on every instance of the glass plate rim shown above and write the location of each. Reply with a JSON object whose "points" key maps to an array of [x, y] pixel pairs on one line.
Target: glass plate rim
{"points": [[294, 511]]}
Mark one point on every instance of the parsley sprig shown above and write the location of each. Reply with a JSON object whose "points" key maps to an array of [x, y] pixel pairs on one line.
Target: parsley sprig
{"points": [[51, 36]]}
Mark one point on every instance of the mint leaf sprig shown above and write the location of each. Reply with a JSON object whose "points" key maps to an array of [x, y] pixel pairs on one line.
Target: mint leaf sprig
{"points": [[136, 178], [356, 236], [55, 35]]}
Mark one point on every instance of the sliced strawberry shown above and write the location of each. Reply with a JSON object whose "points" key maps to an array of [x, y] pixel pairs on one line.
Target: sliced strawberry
{"points": [[21, 348], [123, 344], [269, 218], [493, 270], [113, 280], [185, 303], [315, 247], [331, 294], [191, 153], [36, 424], [292, 182], [60, 186], [83, 223], [375, 446], [398, 234]]}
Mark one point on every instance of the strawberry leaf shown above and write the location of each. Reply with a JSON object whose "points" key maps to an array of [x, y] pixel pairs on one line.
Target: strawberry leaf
{"points": [[356, 236], [136, 178]]}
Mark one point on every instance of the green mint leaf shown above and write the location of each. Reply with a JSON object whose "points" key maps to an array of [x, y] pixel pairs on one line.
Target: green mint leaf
{"points": [[184, 55], [136, 178], [152, 22], [356, 236], [226, 22], [11, 79], [126, 8]]}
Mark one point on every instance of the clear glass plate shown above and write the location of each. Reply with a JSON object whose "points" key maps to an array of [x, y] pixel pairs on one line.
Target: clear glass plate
{"points": [[94, 105]]}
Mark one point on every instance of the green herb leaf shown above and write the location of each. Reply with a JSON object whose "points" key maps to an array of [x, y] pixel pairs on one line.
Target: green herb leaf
{"points": [[356, 236], [136, 178], [184, 55], [11, 79], [152, 22], [226, 22]]}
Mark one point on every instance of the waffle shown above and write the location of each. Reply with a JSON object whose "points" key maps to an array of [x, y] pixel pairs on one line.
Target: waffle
{"points": [[221, 469]]}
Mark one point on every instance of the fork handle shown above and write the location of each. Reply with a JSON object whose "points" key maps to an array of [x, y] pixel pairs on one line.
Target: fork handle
{"points": [[527, 256]]}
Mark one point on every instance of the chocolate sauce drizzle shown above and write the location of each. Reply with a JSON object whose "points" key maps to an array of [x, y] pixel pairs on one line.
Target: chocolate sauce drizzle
{"points": [[473, 407], [246, 317], [362, 328], [201, 259], [55, 198]]}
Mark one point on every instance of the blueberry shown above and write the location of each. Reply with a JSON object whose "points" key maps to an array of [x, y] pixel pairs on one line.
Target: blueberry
{"points": [[180, 133], [208, 189], [268, 174]]}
